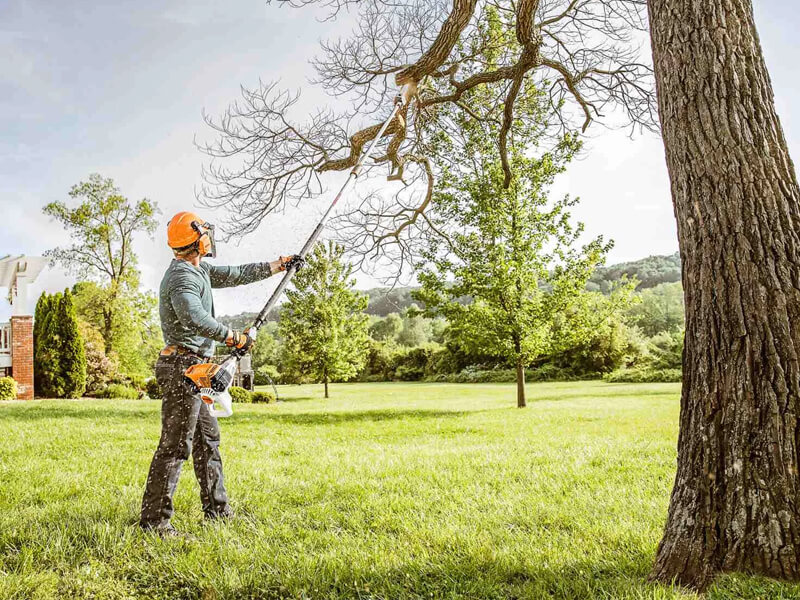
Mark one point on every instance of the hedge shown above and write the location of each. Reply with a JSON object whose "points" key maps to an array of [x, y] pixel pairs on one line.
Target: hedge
{"points": [[119, 390], [644, 375]]}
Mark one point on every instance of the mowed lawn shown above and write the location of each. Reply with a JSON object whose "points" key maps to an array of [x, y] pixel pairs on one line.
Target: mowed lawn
{"points": [[383, 491]]}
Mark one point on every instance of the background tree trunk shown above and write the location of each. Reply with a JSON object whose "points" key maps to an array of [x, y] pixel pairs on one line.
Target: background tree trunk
{"points": [[735, 503], [326, 387], [521, 402]]}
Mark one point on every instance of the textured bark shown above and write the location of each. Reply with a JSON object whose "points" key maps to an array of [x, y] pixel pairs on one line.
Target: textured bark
{"points": [[735, 503], [443, 45]]}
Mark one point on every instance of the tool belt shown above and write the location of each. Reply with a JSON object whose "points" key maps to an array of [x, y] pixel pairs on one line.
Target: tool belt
{"points": [[175, 350]]}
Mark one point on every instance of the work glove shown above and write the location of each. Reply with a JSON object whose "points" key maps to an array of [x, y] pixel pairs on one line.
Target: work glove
{"points": [[239, 340], [295, 260]]}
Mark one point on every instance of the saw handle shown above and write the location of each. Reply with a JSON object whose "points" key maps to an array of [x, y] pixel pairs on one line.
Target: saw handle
{"points": [[219, 404]]}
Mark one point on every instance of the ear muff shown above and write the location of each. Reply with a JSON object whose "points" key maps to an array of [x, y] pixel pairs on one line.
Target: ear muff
{"points": [[206, 244]]}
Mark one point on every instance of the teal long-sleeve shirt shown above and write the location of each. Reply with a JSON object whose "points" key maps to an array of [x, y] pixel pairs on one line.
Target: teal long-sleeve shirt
{"points": [[186, 306]]}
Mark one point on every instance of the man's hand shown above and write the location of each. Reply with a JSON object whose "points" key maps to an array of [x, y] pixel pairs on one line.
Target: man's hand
{"points": [[239, 340]]}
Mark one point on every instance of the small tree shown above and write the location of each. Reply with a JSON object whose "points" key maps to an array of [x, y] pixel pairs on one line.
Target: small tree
{"points": [[511, 254], [45, 356], [323, 324], [135, 333], [59, 355], [72, 354], [102, 227]]}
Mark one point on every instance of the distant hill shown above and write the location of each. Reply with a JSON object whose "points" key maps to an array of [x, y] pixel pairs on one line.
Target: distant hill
{"points": [[650, 272]]}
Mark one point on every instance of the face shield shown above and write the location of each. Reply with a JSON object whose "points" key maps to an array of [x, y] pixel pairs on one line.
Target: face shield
{"points": [[206, 244]]}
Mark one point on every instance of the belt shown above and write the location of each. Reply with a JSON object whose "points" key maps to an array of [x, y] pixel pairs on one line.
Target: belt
{"points": [[175, 350]]}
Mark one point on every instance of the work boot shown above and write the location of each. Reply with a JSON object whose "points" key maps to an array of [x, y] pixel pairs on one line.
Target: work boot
{"points": [[167, 531], [226, 514]]}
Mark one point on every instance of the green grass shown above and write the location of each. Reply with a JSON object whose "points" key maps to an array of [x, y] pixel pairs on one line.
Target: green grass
{"points": [[383, 491]]}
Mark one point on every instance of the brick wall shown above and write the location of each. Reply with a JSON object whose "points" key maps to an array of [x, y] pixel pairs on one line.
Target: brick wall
{"points": [[22, 355]]}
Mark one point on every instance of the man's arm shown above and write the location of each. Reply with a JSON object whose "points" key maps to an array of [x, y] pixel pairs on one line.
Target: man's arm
{"points": [[186, 301], [230, 276], [243, 274]]}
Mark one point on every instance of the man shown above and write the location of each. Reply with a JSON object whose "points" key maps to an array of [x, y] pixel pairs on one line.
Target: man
{"points": [[186, 309]]}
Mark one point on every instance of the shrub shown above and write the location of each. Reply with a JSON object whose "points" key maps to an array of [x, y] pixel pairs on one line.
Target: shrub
{"points": [[137, 381], [380, 363], [612, 346], [666, 350], [546, 372], [121, 391], [152, 389], [8, 388], [241, 395], [59, 353], [644, 375], [405, 373], [100, 369], [263, 397], [442, 361], [551, 372]]}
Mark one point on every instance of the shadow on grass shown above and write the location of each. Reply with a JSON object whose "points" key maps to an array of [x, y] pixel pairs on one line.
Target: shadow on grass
{"points": [[74, 410], [335, 418]]}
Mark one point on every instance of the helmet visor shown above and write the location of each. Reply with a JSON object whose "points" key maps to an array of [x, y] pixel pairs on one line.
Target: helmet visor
{"points": [[210, 246]]}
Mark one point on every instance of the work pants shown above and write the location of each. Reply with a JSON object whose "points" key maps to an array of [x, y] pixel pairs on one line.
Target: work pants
{"points": [[187, 428]]}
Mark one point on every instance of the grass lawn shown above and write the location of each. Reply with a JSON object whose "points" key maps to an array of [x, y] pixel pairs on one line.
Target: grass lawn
{"points": [[383, 491]]}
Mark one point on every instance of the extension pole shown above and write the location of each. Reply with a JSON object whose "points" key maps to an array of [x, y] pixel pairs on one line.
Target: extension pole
{"points": [[273, 300]]}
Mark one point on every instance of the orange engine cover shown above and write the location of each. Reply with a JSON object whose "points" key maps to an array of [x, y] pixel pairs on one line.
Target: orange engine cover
{"points": [[201, 375]]}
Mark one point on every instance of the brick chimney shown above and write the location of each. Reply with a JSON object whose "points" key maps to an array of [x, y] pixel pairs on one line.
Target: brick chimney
{"points": [[22, 355]]}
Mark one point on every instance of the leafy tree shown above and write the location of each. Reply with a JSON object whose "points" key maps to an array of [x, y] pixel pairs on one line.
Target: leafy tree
{"points": [[511, 253], [416, 329], [102, 226], [660, 309], [59, 354], [45, 356], [323, 324], [72, 354], [135, 333], [267, 350], [386, 328]]}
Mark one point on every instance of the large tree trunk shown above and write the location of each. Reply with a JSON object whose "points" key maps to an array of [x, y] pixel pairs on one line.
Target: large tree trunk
{"points": [[735, 503], [521, 402]]}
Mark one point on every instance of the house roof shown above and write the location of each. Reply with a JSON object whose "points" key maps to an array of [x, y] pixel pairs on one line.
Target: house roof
{"points": [[30, 266]]}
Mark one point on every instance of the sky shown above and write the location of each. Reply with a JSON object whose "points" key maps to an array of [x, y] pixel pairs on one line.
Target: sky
{"points": [[119, 88]]}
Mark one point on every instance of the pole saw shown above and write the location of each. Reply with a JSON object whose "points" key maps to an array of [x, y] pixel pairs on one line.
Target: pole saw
{"points": [[213, 381]]}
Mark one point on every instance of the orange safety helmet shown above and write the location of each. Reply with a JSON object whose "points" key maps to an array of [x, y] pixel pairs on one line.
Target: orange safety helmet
{"points": [[186, 229]]}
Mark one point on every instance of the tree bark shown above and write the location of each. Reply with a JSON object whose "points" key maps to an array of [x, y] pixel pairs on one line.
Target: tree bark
{"points": [[521, 402], [735, 502], [326, 388]]}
